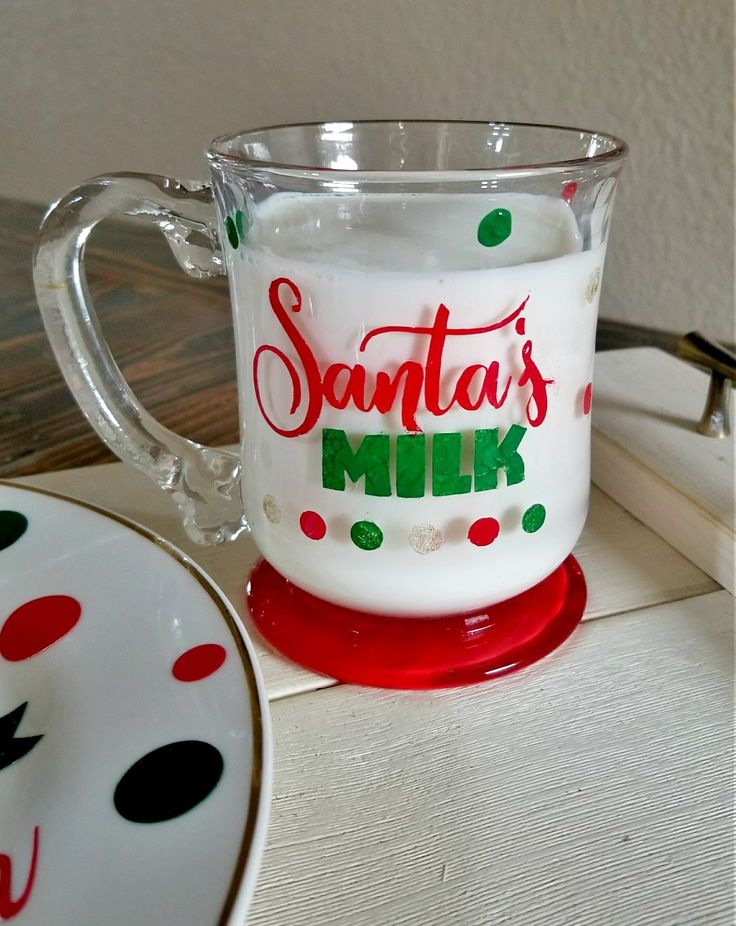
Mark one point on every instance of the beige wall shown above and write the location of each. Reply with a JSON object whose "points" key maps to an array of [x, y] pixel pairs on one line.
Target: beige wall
{"points": [[90, 86]]}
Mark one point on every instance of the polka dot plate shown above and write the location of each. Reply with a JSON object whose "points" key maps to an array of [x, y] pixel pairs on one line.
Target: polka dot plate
{"points": [[134, 740]]}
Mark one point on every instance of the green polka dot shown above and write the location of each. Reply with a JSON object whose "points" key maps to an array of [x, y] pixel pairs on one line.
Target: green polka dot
{"points": [[239, 224], [366, 535], [494, 228], [232, 232], [533, 518]]}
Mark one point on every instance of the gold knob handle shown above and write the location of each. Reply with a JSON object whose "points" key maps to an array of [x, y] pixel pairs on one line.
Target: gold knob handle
{"points": [[697, 349]]}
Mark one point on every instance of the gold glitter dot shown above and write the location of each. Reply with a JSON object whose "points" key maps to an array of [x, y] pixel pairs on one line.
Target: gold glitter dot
{"points": [[424, 538], [593, 284], [271, 509]]}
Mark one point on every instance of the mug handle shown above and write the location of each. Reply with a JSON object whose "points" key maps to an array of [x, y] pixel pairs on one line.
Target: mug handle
{"points": [[204, 482]]}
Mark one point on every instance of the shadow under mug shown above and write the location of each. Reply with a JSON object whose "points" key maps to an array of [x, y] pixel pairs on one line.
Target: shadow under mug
{"points": [[414, 310]]}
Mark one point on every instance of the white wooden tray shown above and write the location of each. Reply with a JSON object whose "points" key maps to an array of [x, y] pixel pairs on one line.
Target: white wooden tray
{"points": [[647, 455]]}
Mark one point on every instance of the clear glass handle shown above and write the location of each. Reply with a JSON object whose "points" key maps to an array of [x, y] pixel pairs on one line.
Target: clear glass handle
{"points": [[204, 482]]}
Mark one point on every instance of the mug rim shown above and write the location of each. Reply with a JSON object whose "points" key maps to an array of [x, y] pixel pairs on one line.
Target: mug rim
{"points": [[616, 152]]}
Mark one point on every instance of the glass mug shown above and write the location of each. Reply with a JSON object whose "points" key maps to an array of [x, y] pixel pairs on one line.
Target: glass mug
{"points": [[414, 307]]}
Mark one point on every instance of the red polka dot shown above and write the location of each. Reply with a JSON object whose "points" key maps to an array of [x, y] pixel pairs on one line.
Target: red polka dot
{"points": [[569, 191], [312, 525], [520, 325], [37, 624], [588, 398], [199, 662], [483, 531]]}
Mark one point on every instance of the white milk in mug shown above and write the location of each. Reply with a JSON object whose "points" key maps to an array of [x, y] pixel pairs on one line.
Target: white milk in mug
{"points": [[415, 390]]}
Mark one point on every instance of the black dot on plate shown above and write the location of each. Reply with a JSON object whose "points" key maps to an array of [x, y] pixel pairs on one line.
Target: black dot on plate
{"points": [[13, 525], [168, 781]]}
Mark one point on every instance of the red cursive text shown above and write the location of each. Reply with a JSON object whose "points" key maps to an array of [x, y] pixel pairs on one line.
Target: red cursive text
{"points": [[413, 385], [9, 907]]}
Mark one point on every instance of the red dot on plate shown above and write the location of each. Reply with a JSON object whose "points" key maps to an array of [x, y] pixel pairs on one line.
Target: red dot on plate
{"points": [[199, 662], [588, 398], [483, 531], [36, 625], [312, 525], [520, 325], [569, 191]]}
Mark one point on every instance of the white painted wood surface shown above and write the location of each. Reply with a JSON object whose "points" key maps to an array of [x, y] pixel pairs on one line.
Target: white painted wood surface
{"points": [[647, 455], [625, 564], [593, 789]]}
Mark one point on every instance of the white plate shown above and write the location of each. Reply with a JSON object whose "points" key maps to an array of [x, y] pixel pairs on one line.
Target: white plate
{"points": [[94, 614]]}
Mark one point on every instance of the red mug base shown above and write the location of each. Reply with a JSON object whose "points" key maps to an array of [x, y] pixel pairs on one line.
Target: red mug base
{"points": [[416, 652]]}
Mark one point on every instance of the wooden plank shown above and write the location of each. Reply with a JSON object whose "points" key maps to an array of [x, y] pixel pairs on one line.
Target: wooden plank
{"points": [[171, 335], [625, 564], [593, 788], [648, 456]]}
